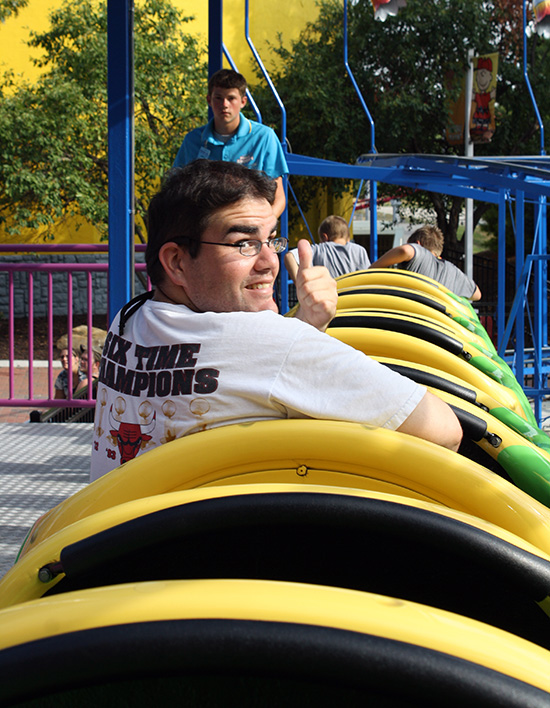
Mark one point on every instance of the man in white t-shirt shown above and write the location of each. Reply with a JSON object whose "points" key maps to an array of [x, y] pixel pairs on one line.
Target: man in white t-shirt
{"points": [[207, 346]]}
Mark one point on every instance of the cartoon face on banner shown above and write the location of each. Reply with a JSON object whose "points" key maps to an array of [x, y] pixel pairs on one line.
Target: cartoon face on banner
{"points": [[383, 8], [482, 115]]}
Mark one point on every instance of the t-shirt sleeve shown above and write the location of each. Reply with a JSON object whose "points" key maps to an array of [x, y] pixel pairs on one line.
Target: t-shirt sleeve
{"points": [[465, 285], [364, 260], [341, 383]]}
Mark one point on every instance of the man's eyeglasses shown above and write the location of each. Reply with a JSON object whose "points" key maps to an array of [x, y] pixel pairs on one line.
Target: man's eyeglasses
{"points": [[252, 247]]}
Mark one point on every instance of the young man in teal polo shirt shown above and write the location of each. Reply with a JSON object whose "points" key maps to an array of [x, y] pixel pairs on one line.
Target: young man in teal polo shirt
{"points": [[231, 137]]}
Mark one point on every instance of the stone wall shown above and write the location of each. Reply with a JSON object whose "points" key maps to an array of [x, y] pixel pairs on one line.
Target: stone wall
{"points": [[59, 286]]}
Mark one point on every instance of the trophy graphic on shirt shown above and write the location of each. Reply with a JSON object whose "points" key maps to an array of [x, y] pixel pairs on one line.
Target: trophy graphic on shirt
{"points": [[169, 410], [199, 407], [145, 411], [102, 403]]}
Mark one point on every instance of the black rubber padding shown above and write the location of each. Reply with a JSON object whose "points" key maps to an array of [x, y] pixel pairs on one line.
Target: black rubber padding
{"points": [[393, 271], [327, 539], [473, 427], [426, 378], [403, 326], [232, 663], [396, 292]]}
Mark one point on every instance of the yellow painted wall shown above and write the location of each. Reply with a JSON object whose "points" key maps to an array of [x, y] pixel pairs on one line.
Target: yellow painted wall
{"points": [[267, 20]]}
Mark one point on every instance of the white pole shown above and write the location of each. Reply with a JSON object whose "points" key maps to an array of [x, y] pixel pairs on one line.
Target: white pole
{"points": [[469, 152]]}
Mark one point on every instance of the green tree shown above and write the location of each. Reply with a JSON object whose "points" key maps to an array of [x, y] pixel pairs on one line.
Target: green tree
{"points": [[11, 7], [404, 68], [53, 134]]}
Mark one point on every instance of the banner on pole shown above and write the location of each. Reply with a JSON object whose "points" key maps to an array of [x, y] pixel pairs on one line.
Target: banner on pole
{"points": [[383, 8], [454, 132], [542, 17], [482, 113]]}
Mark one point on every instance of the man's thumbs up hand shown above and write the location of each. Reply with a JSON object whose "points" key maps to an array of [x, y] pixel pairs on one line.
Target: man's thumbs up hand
{"points": [[316, 290]]}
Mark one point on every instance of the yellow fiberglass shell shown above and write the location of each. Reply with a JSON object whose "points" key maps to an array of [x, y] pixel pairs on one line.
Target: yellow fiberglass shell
{"points": [[409, 300], [473, 395], [352, 300], [383, 343], [309, 452], [406, 290], [396, 277], [469, 340], [526, 464], [21, 583], [280, 602]]}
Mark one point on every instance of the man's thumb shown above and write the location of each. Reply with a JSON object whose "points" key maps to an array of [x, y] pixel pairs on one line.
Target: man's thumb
{"points": [[305, 254]]}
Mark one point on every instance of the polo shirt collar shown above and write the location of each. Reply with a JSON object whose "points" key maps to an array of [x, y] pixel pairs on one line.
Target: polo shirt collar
{"points": [[245, 127]]}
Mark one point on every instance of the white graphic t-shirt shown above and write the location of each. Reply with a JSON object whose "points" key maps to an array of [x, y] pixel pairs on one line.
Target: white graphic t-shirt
{"points": [[173, 372]]}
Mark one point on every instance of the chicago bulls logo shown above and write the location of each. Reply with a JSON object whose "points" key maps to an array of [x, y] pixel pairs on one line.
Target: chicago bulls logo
{"points": [[130, 436]]}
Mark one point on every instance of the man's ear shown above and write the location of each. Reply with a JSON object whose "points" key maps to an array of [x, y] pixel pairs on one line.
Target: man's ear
{"points": [[244, 101], [172, 258]]}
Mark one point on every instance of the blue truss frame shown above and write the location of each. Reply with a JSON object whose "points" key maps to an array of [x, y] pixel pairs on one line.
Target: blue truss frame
{"points": [[509, 182]]}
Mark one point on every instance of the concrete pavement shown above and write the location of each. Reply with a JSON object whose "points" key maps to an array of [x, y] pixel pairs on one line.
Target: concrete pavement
{"points": [[40, 466]]}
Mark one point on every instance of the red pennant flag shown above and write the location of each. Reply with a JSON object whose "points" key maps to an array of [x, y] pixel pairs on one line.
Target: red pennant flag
{"points": [[383, 8]]}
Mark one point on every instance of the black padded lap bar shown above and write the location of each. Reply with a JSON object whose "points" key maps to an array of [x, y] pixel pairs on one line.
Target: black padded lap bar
{"points": [[236, 663], [327, 539], [402, 326], [396, 292], [426, 378]]}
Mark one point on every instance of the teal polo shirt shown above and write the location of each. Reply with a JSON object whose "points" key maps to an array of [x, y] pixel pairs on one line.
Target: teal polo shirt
{"points": [[253, 145]]}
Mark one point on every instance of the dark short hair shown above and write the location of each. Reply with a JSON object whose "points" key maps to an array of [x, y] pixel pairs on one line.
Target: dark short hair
{"points": [[188, 198], [227, 79]]}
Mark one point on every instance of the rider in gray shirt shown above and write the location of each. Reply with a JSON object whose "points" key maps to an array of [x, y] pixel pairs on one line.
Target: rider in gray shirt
{"points": [[335, 251], [422, 254]]}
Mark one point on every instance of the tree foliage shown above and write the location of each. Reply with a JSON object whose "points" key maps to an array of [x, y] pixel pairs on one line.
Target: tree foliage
{"points": [[409, 70], [11, 8], [53, 134]]}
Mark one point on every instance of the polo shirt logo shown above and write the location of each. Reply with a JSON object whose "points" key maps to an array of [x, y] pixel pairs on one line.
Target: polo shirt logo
{"points": [[245, 159]]}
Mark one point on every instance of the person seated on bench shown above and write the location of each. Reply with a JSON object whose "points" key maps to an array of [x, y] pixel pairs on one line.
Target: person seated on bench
{"points": [[77, 377], [207, 346]]}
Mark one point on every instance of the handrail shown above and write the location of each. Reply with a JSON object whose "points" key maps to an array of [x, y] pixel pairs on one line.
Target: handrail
{"points": [[251, 100], [354, 82], [9, 396], [528, 82], [60, 248], [265, 74]]}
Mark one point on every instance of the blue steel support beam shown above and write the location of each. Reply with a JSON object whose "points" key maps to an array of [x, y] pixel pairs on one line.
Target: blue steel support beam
{"points": [[120, 14], [520, 263], [283, 279], [215, 36], [528, 82], [215, 40], [373, 187], [501, 263]]}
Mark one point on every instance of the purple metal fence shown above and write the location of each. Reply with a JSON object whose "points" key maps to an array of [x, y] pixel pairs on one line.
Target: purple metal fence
{"points": [[34, 398]]}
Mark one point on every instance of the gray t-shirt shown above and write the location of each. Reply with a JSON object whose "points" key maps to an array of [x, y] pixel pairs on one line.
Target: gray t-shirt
{"points": [[425, 263], [339, 258]]}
